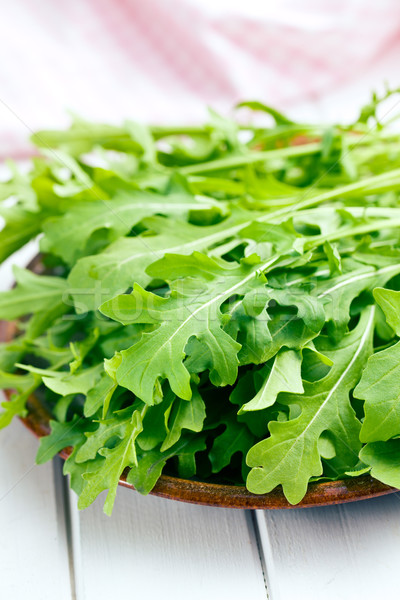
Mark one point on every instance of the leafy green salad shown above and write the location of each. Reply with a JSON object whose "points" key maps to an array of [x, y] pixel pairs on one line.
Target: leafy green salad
{"points": [[218, 302]]}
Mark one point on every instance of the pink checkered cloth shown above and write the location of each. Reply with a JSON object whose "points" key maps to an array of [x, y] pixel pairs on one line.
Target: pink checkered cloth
{"points": [[163, 60]]}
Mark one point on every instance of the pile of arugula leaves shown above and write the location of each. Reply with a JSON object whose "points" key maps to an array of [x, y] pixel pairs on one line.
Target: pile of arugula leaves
{"points": [[218, 302]]}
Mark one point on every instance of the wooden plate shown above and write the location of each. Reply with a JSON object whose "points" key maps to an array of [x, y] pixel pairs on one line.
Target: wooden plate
{"points": [[211, 494]]}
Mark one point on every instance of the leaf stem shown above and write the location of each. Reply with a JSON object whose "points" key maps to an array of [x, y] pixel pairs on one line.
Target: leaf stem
{"points": [[351, 231], [245, 159]]}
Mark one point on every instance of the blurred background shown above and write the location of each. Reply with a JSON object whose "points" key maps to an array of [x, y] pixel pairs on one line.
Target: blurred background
{"points": [[165, 60]]}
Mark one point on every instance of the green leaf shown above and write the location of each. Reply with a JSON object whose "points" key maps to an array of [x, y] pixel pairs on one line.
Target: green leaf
{"points": [[21, 226], [334, 259], [77, 470], [66, 236], [39, 294], [100, 395], [16, 405], [235, 438], [11, 353], [142, 135], [251, 331], [286, 330], [63, 383], [81, 349], [82, 136], [106, 431], [293, 242], [110, 366], [115, 461], [148, 471], [309, 308], [283, 376], [379, 388], [79, 383], [384, 460], [155, 422], [191, 310], [389, 301], [62, 407], [339, 292], [290, 457], [61, 436], [150, 465], [278, 117], [184, 415], [18, 186], [95, 279]]}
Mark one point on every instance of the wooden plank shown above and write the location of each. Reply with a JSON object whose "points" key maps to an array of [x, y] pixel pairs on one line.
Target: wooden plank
{"points": [[156, 548], [348, 551], [33, 549]]}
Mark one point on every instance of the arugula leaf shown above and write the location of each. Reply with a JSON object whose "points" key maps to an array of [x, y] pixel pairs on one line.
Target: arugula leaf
{"points": [[339, 292], [389, 301], [39, 294], [309, 309], [280, 119], [209, 292], [189, 311], [61, 436], [25, 385], [99, 396], [250, 330], [66, 236], [380, 390], [81, 349], [106, 431], [383, 459], [291, 456], [77, 470], [95, 279], [146, 473], [11, 353], [21, 226], [235, 438], [111, 468], [184, 415], [71, 383], [283, 376]]}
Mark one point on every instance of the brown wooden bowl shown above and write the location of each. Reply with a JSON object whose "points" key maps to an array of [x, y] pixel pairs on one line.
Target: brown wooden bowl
{"points": [[212, 494]]}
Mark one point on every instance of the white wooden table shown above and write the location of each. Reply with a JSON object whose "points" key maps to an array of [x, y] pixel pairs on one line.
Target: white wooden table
{"points": [[153, 548]]}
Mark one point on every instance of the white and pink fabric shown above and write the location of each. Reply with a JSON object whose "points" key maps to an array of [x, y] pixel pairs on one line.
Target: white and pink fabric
{"points": [[164, 60]]}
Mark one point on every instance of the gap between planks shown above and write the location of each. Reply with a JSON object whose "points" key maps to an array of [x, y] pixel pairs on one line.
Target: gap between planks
{"points": [[152, 548], [70, 524], [348, 551]]}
